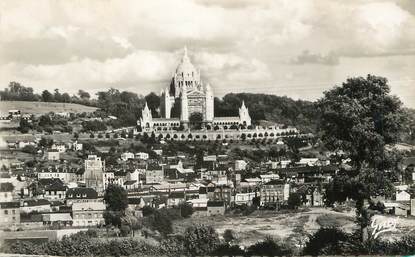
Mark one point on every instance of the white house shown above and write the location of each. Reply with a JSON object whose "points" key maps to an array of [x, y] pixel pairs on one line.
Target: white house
{"points": [[240, 165], [77, 146], [126, 156], [403, 196], [59, 147], [53, 155], [141, 156]]}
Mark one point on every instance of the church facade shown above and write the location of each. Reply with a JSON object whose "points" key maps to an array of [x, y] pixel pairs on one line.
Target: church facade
{"points": [[188, 98]]}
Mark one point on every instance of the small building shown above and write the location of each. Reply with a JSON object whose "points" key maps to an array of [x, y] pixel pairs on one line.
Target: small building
{"points": [[154, 174], [176, 198], [402, 196], [57, 219], [81, 195], [142, 156], [240, 165], [35, 205], [9, 214], [244, 198], [77, 146], [215, 208], [413, 207], [61, 148], [127, 156], [6, 192], [53, 155]]}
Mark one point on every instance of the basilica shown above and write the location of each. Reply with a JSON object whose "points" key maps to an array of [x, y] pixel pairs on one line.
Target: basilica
{"points": [[188, 96]]}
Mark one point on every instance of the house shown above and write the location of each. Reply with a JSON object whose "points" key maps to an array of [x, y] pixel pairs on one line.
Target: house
{"points": [[176, 198], [126, 156], [265, 178], [62, 173], [35, 205], [23, 143], [402, 196], [274, 193], [154, 174], [60, 147], [244, 198], [53, 188], [413, 207], [77, 146], [57, 219], [81, 195], [158, 151], [240, 165], [142, 156], [87, 214], [6, 192], [131, 184], [215, 208], [53, 155], [9, 214]]}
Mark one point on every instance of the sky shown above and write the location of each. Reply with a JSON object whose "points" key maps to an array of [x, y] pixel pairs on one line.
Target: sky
{"points": [[295, 48]]}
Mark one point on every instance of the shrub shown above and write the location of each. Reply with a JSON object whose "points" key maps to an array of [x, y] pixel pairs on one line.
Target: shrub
{"points": [[200, 240], [268, 247]]}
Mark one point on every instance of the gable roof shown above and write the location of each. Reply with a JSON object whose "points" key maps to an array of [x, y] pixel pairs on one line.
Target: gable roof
{"points": [[81, 193]]}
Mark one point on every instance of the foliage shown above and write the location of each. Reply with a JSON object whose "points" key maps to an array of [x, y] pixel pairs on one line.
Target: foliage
{"points": [[116, 198], [200, 240], [186, 210], [93, 125], [268, 247], [360, 118], [29, 149], [229, 235], [325, 241], [18, 92], [294, 200]]}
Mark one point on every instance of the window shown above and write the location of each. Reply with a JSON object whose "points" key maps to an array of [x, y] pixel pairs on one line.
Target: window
{"points": [[6, 212], [14, 211]]}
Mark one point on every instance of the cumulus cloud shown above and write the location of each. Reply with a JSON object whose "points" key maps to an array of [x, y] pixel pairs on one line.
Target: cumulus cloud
{"points": [[243, 45]]}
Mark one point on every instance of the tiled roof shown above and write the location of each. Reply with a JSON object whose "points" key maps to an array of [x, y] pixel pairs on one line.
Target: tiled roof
{"points": [[81, 193]]}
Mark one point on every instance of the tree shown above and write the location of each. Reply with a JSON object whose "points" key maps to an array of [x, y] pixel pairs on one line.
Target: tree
{"points": [[360, 118], [83, 94], [229, 235], [29, 149], [47, 96], [200, 240], [323, 239], [24, 126], [294, 200], [116, 198], [186, 210]]}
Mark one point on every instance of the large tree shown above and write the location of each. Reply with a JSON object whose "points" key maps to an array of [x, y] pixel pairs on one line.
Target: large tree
{"points": [[116, 198], [359, 119]]}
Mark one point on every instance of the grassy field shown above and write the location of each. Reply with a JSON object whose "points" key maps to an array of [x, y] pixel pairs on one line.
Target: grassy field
{"points": [[291, 228], [43, 107]]}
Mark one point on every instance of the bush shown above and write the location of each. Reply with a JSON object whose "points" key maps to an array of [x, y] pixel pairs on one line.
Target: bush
{"points": [[325, 240], [200, 240], [268, 247]]}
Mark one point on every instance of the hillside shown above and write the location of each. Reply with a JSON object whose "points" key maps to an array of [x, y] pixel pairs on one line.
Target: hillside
{"points": [[278, 109], [43, 107]]}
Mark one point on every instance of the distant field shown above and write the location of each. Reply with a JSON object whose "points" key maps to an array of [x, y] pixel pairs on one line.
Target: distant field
{"points": [[43, 107]]}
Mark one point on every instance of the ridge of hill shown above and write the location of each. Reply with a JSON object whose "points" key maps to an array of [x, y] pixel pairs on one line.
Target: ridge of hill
{"points": [[38, 108]]}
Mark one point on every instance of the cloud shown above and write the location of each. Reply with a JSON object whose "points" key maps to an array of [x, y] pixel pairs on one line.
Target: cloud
{"points": [[307, 57], [239, 45]]}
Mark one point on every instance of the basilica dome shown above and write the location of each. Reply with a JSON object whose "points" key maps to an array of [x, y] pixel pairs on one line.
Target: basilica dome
{"points": [[185, 67]]}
